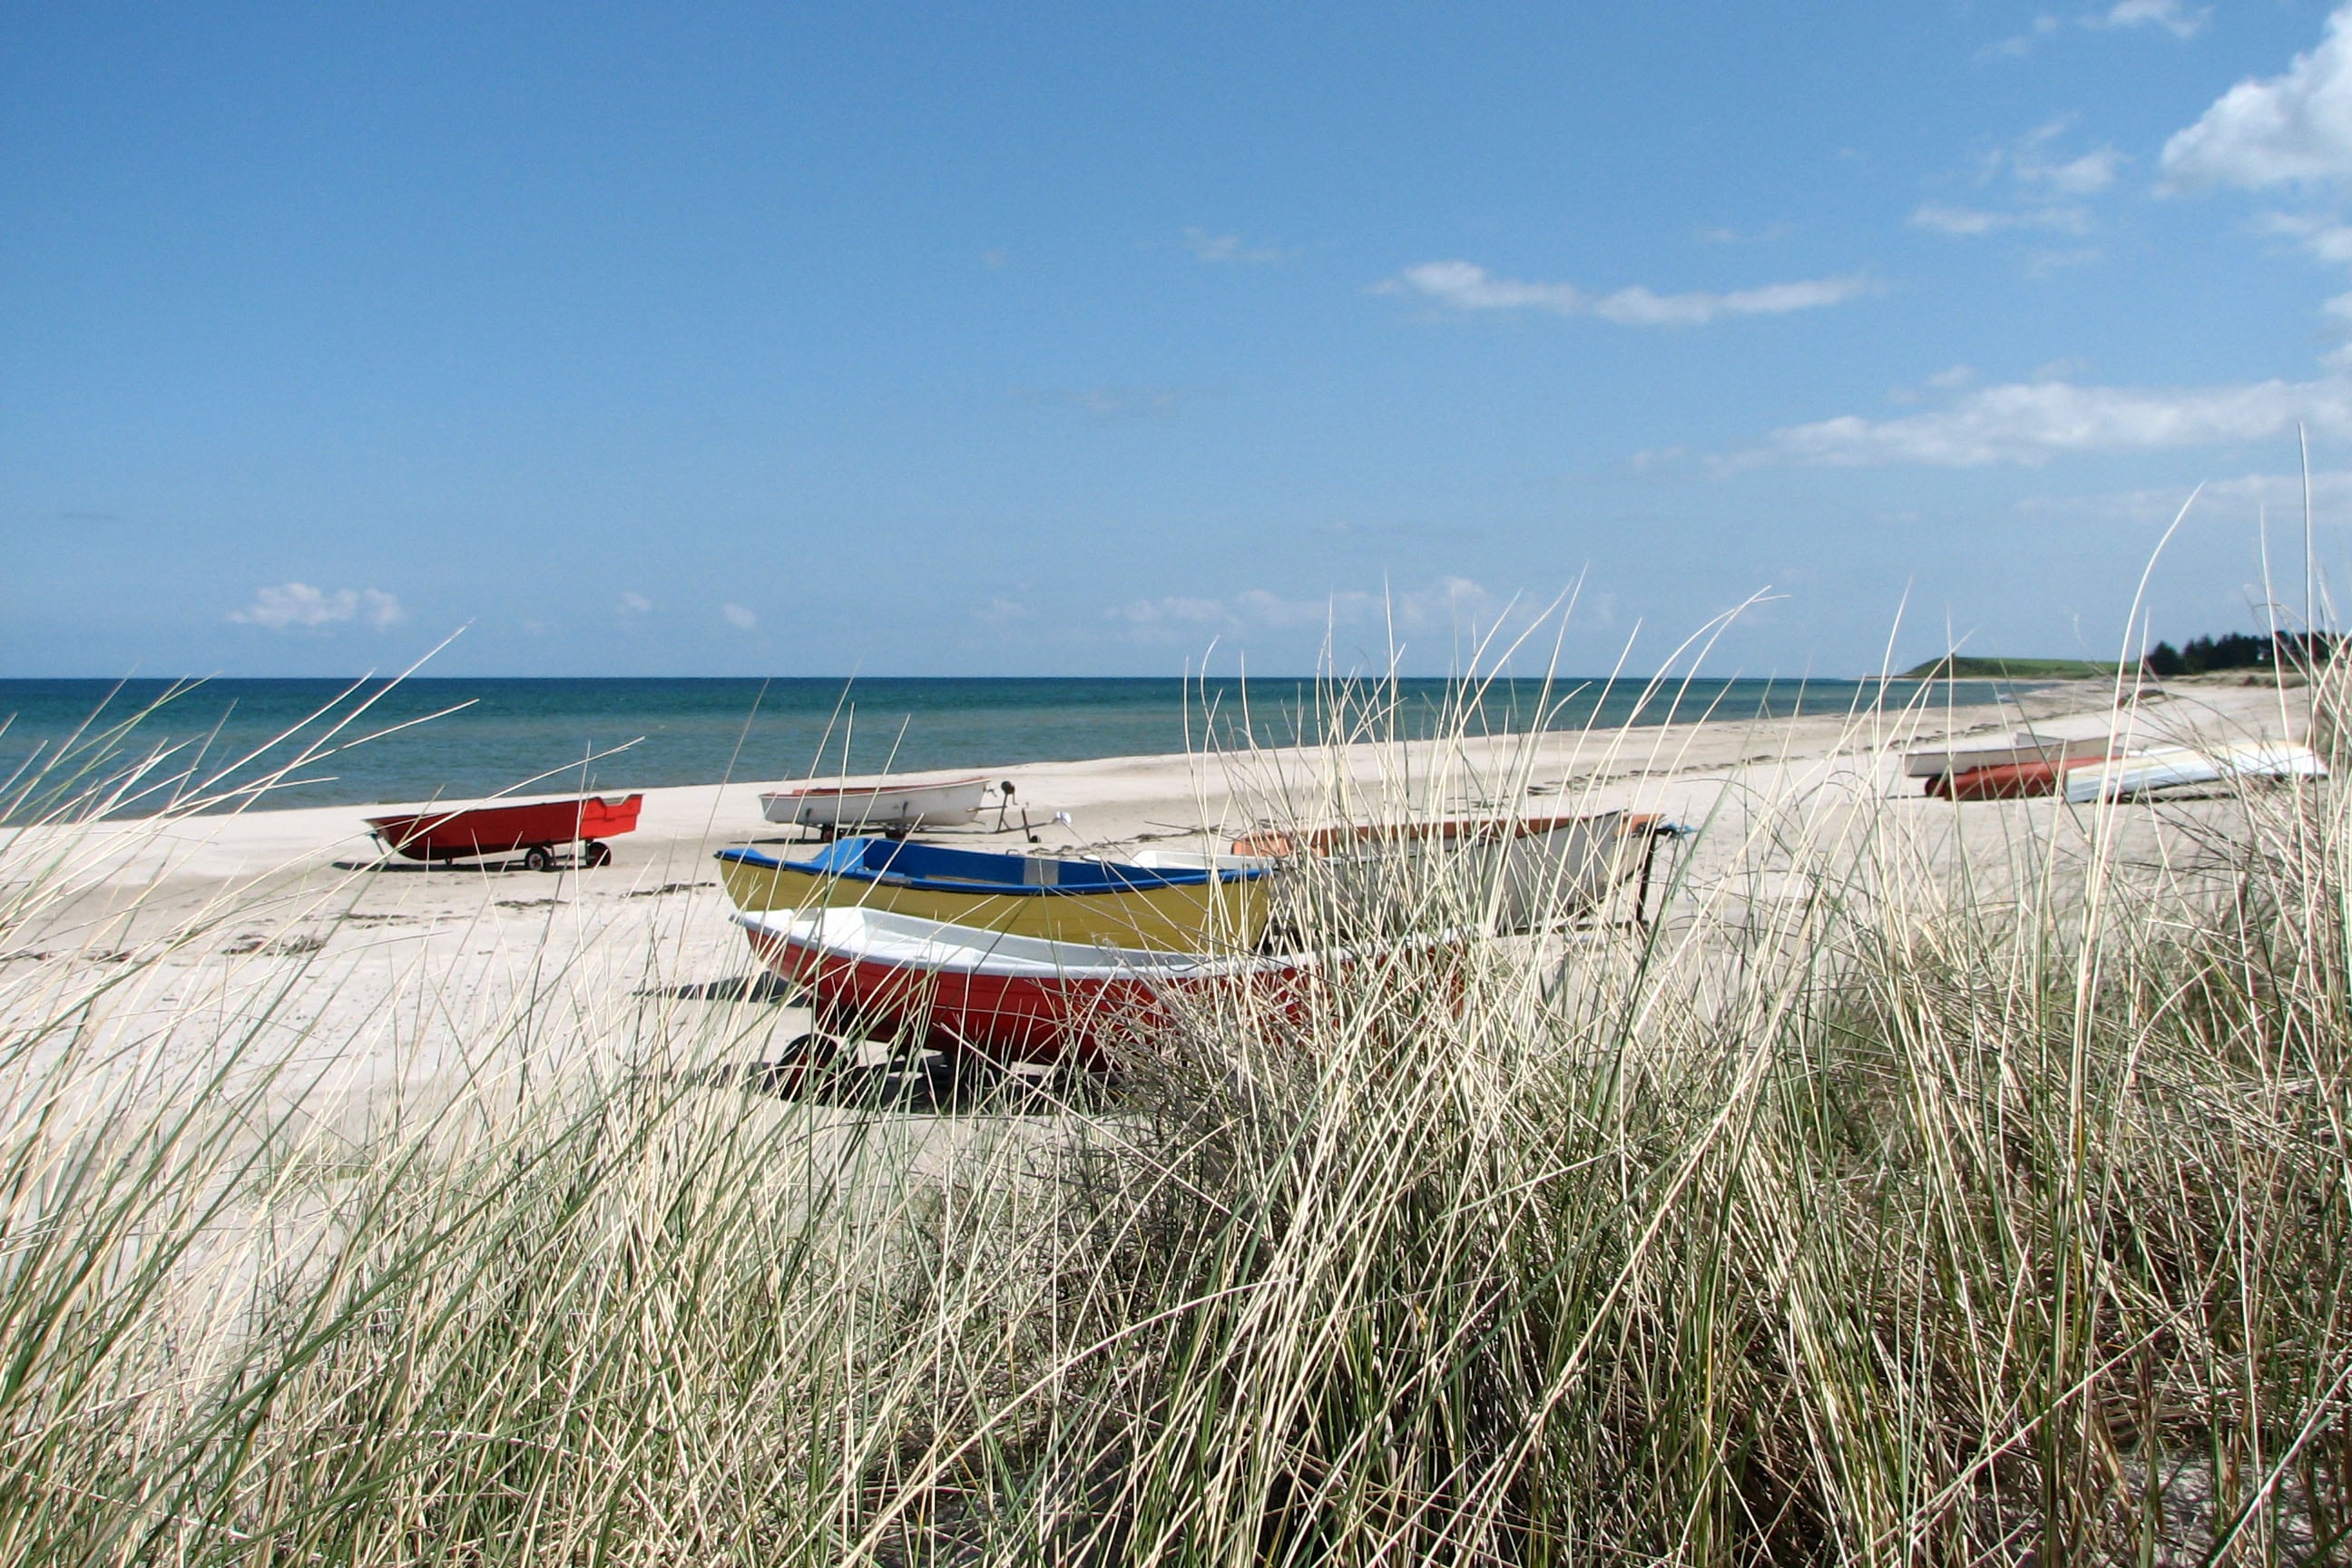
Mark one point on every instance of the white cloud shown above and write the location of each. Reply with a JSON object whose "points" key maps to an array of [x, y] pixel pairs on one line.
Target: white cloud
{"points": [[1220, 247], [1170, 611], [2044, 188], [1258, 606], [2325, 238], [2170, 15], [635, 604], [736, 616], [2293, 129], [2277, 496], [1465, 286], [1942, 217], [300, 604], [1950, 379], [1967, 223], [1639, 307], [1450, 601], [2086, 175], [2034, 422], [2023, 42], [1116, 402], [2043, 263]]}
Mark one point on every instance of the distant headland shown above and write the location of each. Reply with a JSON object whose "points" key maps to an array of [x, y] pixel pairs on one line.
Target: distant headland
{"points": [[1970, 666], [2198, 656]]}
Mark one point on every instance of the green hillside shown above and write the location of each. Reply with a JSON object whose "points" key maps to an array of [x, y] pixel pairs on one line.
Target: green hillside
{"points": [[1969, 666]]}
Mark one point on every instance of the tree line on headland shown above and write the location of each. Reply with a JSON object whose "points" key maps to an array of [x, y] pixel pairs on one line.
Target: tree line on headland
{"points": [[2198, 656]]}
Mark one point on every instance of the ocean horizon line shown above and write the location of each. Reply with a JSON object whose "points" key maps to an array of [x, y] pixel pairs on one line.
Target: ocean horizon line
{"points": [[1620, 677]]}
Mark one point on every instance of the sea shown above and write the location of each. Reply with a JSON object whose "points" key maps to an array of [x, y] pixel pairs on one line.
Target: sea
{"points": [[223, 744]]}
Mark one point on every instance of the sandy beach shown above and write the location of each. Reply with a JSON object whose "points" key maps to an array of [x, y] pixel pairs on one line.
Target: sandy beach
{"points": [[295, 914]]}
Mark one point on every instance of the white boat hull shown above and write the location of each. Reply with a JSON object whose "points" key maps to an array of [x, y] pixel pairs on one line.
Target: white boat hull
{"points": [[894, 807], [2180, 767]]}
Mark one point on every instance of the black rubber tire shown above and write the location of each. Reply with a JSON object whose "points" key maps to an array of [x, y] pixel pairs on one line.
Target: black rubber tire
{"points": [[538, 857], [596, 853], [810, 1063], [961, 1075]]}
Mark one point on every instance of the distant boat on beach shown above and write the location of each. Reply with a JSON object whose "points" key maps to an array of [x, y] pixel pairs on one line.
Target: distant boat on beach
{"points": [[2027, 749], [537, 827], [2178, 767], [2098, 767], [886, 806]]}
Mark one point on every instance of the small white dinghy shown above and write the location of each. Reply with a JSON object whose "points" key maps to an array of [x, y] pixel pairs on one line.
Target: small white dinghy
{"points": [[2179, 767], [878, 805]]}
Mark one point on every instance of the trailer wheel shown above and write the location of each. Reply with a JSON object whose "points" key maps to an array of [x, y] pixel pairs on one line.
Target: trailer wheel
{"points": [[538, 857], [811, 1063], [598, 853]]}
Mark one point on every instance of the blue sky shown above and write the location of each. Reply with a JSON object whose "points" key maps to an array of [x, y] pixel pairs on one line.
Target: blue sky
{"points": [[998, 340]]}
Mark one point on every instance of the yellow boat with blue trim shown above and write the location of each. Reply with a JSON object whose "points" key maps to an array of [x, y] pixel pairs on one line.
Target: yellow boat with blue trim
{"points": [[1095, 902]]}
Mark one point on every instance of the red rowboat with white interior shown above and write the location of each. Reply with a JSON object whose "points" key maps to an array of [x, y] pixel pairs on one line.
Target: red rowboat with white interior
{"points": [[1008, 999]]}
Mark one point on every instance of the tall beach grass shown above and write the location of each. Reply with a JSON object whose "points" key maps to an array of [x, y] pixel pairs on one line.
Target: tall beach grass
{"points": [[1927, 1186]]}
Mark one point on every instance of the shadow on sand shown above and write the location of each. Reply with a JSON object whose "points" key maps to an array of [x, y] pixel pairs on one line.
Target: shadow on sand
{"points": [[414, 868], [764, 986], [936, 1086]]}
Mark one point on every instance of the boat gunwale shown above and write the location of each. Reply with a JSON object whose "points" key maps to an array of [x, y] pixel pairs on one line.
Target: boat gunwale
{"points": [[1152, 881], [917, 943]]}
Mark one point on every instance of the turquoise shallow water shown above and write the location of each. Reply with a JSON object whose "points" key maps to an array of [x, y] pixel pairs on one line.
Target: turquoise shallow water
{"points": [[500, 734]]}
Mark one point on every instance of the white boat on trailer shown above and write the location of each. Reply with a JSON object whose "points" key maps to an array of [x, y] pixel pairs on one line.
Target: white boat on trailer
{"points": [[881, 806], [2180, 767]]}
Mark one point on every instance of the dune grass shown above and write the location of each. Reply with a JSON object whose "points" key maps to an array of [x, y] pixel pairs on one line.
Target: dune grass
{"points": [[1892, 1201]]}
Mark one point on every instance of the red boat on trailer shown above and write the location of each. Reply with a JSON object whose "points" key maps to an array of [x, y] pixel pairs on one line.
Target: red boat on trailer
{"points": [[535, 827], [1009, 1000]]}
